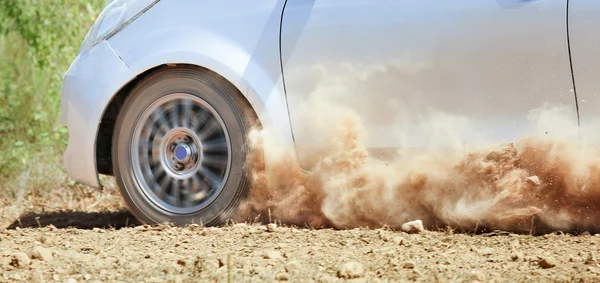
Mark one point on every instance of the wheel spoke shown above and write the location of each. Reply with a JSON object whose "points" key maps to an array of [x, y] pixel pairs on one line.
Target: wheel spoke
{"points": [[187, 108], [160, 122], [200, 189], [158, 171], [209, 129], [215, 161], [175, 114], [185, 193], [175, 192], [215, 146], [201, 120], [211, 178], [161, 188]]}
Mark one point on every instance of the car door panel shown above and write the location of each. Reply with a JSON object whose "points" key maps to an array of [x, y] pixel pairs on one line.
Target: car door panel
{"points": [[584, 27], [427, 73]]}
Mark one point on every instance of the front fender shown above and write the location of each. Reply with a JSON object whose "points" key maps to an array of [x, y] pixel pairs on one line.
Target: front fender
{"points": [[248, 56]]}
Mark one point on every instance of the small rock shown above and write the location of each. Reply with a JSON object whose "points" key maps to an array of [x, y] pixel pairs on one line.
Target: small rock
{"points": [[350, 270], [409, 265], [51, 227], [193, 226], [271, 227], [293, 267], [547, 262], [20, 259], [87, 277], [413, 227], [586, 234], [534, 180], [516, 256], [282, 276], [398, 241], [273, 255], [41, 253]]}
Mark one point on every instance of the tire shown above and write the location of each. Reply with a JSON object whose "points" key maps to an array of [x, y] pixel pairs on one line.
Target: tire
{"points": [[179, 148]]}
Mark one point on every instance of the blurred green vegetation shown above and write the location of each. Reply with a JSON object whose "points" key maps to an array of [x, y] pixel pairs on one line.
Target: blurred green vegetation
{"points": [[38, 41]]}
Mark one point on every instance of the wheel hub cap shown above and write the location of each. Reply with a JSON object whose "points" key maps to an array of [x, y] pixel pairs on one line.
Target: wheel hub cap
{"points": [[183, 152]]}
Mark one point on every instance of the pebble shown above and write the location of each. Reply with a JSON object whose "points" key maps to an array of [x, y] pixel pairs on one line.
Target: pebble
{"points": [[547, 262], [413, 227], [409, 265], [41, 253], [282, 276], [350, 270], [20, 259], [534, 180], [271, 227]]}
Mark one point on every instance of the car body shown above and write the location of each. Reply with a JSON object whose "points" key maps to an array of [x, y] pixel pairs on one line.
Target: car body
{"points": [[481, 66]]}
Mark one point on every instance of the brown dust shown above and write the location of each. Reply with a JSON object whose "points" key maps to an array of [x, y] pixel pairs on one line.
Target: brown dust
{"points": [[535, 185]]}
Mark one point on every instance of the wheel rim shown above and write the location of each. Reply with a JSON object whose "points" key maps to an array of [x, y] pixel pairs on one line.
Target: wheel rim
{"points": [[181, 153]]}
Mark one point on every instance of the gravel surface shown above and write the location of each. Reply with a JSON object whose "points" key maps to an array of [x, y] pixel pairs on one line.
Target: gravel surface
{"points": [[259, 253]]}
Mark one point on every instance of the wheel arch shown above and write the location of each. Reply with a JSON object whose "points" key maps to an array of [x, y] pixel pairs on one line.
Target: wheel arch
{"points": [[104, 136]]}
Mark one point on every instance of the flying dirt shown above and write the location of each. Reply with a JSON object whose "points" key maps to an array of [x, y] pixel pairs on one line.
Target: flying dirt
{"points": [[538, 184]]}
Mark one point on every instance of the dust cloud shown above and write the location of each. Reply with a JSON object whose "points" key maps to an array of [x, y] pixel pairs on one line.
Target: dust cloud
{"points": [[538, 184]]}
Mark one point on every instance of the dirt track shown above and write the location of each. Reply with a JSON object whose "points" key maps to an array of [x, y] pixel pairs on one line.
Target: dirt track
{"points": [[156, 254]]}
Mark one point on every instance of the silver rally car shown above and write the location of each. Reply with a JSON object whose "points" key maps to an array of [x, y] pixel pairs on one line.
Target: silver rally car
{"points": [[163, 93]]}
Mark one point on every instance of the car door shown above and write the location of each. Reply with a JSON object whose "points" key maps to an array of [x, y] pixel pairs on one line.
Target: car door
{"points": [[422, 73], [584, 25]]}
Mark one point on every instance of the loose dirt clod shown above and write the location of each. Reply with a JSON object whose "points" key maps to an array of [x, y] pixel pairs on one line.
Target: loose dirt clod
{"points": [[413, 227], [350, 270], [41, 253], [20, 259]]}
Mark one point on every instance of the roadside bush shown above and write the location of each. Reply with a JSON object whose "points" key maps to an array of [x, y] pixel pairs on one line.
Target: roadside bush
{"points": [[38, 41]]}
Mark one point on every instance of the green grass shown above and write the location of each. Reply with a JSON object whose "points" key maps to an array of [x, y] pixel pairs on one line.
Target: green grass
{"points": [[38, 41]]}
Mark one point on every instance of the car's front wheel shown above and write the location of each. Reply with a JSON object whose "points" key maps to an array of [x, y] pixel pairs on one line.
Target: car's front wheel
{"points": [[179, 148]]}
